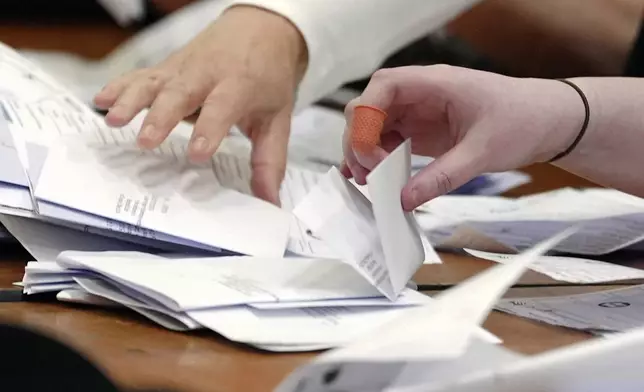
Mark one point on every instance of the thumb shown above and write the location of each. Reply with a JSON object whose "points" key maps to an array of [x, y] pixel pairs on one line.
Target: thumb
{"points": [[453, 169], [268, 159]]}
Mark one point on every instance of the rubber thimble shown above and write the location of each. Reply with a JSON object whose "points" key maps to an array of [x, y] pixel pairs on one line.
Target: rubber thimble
{"points": [[366, 127]]}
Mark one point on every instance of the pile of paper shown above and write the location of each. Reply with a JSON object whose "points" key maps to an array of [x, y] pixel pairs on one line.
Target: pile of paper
{"points": [[274, 304], [610, 220]]}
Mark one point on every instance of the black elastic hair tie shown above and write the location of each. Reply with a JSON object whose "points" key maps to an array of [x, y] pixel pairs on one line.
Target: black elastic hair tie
{"points": [[584, 127]]}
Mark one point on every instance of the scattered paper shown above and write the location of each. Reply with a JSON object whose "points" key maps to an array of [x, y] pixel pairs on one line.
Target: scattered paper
{"points": [[570, 269], [601, 312], [433, 335], [607, 220]]}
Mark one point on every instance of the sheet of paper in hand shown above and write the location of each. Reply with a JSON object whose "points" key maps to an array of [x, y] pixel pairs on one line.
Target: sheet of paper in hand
{"points": [[408, 351], [380, 240]]}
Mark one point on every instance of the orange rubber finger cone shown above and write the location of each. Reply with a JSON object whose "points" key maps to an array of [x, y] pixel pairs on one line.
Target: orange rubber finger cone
{"points": [[366, 127]]}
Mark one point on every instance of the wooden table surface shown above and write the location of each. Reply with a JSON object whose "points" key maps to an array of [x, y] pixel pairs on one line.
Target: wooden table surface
{"points": [[138, 354]]}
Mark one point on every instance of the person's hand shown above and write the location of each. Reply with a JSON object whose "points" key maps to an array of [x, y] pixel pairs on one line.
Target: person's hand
{"points": [[472, 122], [242, 70]]}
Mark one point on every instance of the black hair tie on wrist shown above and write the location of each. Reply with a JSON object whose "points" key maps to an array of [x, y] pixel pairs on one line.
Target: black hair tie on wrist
{"points": [[584, 127]]}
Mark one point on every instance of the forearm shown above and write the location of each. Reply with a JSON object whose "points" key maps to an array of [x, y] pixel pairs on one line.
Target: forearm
{"points": [[348, 40], [611, 152]]}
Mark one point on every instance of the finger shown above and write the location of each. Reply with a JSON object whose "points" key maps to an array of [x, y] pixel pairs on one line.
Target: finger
{"points": [[177, 100], [268, 159], [139, 95], [344, 169], [369, 159], [391, 140], [350, 159], [223, 108], [448, 172], [105, 98]]}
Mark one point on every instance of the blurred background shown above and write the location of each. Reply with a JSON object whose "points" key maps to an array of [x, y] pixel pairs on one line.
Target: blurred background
{"points": [[546, 38]]}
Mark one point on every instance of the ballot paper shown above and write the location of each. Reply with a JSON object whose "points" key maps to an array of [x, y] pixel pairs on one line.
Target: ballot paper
{"points": [[160, 191], [608, 220], [318, 304], [376, 237], [571, 269], [44, 241], [432, 336], [601, 312]]}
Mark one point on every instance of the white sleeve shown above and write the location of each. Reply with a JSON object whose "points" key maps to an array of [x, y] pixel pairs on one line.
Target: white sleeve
{"points": [[349, 39]]}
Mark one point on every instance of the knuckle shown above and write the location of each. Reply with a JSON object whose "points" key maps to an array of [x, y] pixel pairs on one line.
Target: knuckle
{"points": [[382, 74], [180, 90], [443, 183], [442, 68]]}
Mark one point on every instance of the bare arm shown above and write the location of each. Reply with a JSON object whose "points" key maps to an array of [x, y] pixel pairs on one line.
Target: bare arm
{"points": [[612, 151]]}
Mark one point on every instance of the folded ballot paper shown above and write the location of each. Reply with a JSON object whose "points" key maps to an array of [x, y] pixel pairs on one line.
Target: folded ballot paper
{"points": [[424, 347], [380, 240]]}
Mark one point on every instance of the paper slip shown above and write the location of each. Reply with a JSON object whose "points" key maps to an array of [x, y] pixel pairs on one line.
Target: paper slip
{"points": [[571, 269], [600, 312], [441, 331], [377, 238]]}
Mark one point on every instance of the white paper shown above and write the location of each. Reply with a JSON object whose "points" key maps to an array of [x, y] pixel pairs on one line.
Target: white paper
{"points": [[571, 269], [599, 312], [607, 221], [160, 191], [80, 296], [407, 297], [44, 241], [125, 11], [438, 332], [198, 283], [381, 241], [591, 366]]}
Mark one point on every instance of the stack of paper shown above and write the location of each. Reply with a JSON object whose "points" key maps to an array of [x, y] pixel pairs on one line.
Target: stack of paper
{"points": [[275, 304]]}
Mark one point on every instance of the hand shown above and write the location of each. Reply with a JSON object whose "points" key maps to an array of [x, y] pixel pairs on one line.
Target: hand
{"points": [[472, 122], [242, 70]]}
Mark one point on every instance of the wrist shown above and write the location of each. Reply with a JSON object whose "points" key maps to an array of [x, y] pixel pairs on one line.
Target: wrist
{"points": [[280, 30], [568, 122]]}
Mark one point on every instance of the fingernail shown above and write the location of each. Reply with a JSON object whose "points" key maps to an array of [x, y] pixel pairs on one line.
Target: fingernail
{"points": [[200, 145]]}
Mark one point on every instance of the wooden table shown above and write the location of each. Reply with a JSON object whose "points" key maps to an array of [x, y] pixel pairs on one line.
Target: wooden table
{"points": [[138, 354]]}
